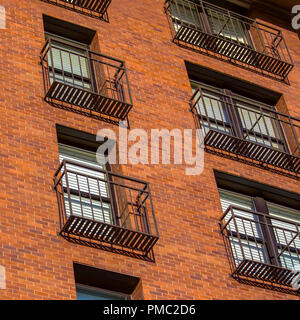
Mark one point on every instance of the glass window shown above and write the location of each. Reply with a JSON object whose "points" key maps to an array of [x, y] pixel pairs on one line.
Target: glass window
{"points": [[68, 62], [211, 109], [184, 13], [246, 233], [89, 192], [90, 293], [271, 237], [226, 112], [228, 27], [286, 234]]}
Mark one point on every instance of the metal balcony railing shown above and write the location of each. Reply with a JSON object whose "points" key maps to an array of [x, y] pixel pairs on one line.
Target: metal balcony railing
{"points": [[92, 8], [105, 208], [241, 127], [77, 78], [207, 28], [262, 249]]}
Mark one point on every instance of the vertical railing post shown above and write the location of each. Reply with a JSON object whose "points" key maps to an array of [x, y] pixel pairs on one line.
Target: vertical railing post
{"points": [[262, 42], [152, 211], [297, 148], [127, 83], [68, 187], [52, 62]]}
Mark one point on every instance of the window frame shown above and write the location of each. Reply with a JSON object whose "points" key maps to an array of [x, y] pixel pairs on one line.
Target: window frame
{"points": [[268, 240], [203, 21], [85, 48], [111, 200], [228, 99], [122, 296]]}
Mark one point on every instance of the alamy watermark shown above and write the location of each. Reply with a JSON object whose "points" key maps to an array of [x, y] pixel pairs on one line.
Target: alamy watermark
{"points": [[146, 148], [296, 18], [2, 18]]}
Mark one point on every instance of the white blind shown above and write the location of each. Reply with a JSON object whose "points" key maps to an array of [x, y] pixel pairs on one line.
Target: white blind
{"points": [[230, 28], [185, 11], [244, 249], [287, 234], [91, 200], [259, 123], [212, 108], [70, 62]]}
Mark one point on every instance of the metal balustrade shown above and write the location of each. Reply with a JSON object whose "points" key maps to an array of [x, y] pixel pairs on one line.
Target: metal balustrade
{"points": [[93, 8], [244, 128], [263, 249], [112, 210], [207, 28], [80, 79]]}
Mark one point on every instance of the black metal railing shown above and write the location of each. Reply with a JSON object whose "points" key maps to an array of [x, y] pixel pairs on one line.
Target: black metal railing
{"points": [[252, 130], [76, 77], [93, 8], [262, 248], [106, 208], [202, 26]]}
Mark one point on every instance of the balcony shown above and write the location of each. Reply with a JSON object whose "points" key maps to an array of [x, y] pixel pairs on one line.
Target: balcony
{"points": [[92, 8], [85, 82], [233, 126], [263, 250], [226, 35], [105, 210]]}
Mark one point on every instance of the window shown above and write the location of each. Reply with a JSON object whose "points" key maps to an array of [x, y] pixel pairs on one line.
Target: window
{"points": [[89, 193], [230, 27], [210, 19], [224, 111], [263, 237], [90, 293], [186, 13], [100, 207], [78, 78], [69, 62], [98, 284], [261, 230], [223, 30]]}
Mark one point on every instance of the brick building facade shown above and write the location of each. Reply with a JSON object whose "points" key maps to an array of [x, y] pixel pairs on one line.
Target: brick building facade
{"points": [[190, 260]]}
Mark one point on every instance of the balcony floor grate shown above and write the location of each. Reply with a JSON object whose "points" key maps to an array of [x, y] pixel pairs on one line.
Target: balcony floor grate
{"points": [[233, 51], [93, 8], [252, 150], [109, 234], [69, 94], [266, 273]]}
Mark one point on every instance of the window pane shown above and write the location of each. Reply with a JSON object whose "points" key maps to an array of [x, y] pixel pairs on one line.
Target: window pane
{"points": [[228, 27], [259, 125], [89, 194], [184, 12], [70, 64], [245, 234], [211, 110], [84, 293], [287, 234]]}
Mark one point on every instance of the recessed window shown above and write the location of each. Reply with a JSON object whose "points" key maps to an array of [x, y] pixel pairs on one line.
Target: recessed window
{"points": [[227, 112], [90, 293], [78, 78], [217, 28], [262, 236], [241, 120], [98, 284], [99, 207]]}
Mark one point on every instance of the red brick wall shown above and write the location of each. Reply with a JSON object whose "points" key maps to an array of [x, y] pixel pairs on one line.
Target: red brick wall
{"points": [[191, 262]]}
